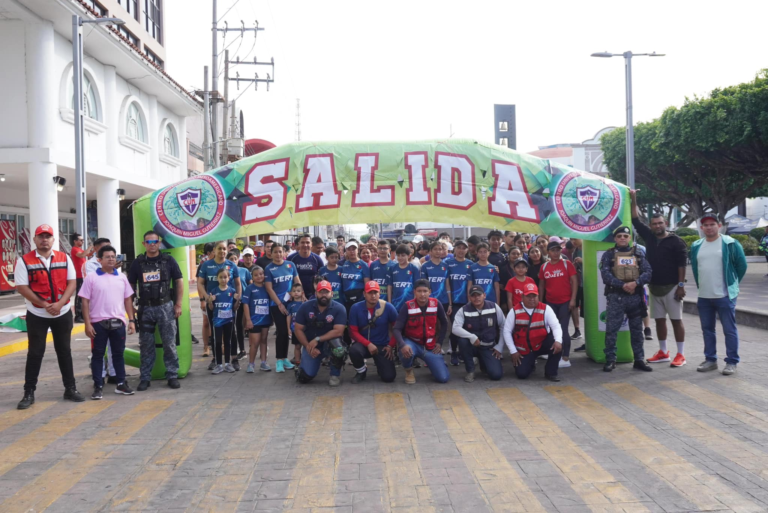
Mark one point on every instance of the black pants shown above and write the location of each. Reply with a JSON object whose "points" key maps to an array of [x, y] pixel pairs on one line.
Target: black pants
{"points": [[37, 332], [281, 333], [529, 361], [223, 337], [239, 330], [453, 338], [78, 300], [385, 367], [563, 313]]}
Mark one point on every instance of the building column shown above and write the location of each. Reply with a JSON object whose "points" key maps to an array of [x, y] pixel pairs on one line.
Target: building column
{"points": [[183, 148], [108, 210], [111, 108], [154, 140], [43, 197]]}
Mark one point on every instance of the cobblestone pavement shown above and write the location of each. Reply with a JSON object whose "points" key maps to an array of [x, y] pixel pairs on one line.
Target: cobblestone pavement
{"points": [[752, 289], [672, 440]]}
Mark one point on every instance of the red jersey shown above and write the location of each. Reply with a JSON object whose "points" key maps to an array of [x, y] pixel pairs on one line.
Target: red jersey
{"points": [[557, 280], [77, 261], [516, 286]]}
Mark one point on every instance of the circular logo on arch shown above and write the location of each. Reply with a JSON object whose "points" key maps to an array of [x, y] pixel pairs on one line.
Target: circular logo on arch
{"points": [[586, 205], [191, 208]]}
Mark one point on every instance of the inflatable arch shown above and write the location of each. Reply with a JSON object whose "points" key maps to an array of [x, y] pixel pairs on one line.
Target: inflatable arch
{"points": [[323, 183]]}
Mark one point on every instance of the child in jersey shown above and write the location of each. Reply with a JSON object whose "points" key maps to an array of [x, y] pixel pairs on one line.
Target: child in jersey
{"points": [[257, 319], [332, 272], [238, 335], [223, 301], [402, 278], [517, 283], [297, 299], [435, 271], [485, 274], [380, 268]]}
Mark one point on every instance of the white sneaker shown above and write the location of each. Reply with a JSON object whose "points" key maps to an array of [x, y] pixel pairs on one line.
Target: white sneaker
{"points": [[544, 357], [229, 368], [218, 369], [564, 364]]}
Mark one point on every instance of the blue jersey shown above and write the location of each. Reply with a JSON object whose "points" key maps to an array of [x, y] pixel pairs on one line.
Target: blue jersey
{"points": [[380, 274], [209, 269], [281, 277], [459, 273], [402, 282], [257, 300], [223, 300], [378, 334], [245, 277], [353, 275], [485, 276], [293, 308], [307, 269], [334, 278], [437, 275]]}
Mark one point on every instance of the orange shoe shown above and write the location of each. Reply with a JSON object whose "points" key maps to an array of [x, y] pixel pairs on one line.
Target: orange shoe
{"points": [[679, 361], [659, 357]]}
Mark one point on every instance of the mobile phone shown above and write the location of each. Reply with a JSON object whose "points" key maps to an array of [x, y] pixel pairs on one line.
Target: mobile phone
{"points": [[121, 258]]}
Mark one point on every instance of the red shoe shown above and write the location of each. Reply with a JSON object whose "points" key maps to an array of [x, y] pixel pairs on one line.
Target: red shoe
{"points": [[659, 357], [679, 361]]}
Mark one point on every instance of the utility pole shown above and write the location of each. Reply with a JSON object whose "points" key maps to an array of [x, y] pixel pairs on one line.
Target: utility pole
{"points": [[206, 123], [225, 113], [298, 121], [215, 84]]}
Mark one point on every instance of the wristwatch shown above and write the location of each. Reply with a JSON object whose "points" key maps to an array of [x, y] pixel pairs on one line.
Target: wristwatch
{"points": [[681, 284], [317, 339]]}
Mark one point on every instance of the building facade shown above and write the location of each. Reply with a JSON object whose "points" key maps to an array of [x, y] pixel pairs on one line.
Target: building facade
{"points": [[135, 135], [505, 126], [586, 156]]}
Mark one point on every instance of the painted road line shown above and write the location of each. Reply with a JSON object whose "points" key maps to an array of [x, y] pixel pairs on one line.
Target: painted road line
{"points": [[140, 490], [599, 490], [313, 479], [503, 488], [13, 417], [21, 344], [48, 487], [400, 455], [227, 490], [742, 454], [34, 442], [41, 380], [707, 492], [729, 406]]}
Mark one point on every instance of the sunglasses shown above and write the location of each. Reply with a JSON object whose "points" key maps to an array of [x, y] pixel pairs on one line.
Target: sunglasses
{"points": [[154, 241], [622, 236]]}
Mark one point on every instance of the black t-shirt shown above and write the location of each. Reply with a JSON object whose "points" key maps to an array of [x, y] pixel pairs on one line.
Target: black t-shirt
{"points": [[263, 262], [134, 273], [665, 255]]}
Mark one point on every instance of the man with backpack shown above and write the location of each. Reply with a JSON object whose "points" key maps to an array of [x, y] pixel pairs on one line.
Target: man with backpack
{"points": [[370, 326]]}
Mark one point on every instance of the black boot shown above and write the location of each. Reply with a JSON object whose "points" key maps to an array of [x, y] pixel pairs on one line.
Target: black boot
{"points": [[71, 394], [174, 383], [143, 385], [609, 366], [359, 377], [641, 365], [27, 401]]}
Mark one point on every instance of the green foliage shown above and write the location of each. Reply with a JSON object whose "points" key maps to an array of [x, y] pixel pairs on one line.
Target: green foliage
{"points": [[365, 238], [757, 233], [748, 243], [684, 232], [689, 239]]}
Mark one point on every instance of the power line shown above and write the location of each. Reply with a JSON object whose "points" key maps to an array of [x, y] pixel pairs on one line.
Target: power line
{"points": [[230, 8]]}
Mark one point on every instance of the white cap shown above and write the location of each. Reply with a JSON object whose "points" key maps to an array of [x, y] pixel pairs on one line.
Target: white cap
{"points": [[450, 246], [351, 244], [247, 251], [418, 238]]}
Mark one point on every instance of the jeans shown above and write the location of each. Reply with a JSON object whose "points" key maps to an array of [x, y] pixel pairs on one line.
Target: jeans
{"points": [[37, 332], [116, 341], [311, 366], [725, 308], [563, 313], [385, 367], [435, 362], [528, 364], [488, 362]]}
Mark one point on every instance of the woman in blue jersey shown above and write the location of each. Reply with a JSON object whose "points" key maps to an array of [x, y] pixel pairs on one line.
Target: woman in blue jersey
{"points": [[223, 302], [207, 281], [280, 276], [257, 319], [459, 274], [485, 274]]}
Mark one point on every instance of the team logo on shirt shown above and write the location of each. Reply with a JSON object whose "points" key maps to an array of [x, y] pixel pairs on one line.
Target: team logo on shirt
{"points": [[586, 205], [329, 318], [311, 315], [191, 208]]}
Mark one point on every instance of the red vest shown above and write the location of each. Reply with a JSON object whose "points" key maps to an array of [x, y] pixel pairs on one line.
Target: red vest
{"points": [[421, 327], [43, 281], [529, 331]]}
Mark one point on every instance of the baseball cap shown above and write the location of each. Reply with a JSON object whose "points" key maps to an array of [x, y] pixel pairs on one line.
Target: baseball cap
{"points": [[553, 245], [351, 244], [460, 243], [44, 228], [260, 243], [530, 288], [520, 261], [418, 238], [449, 245], [372, 285], [247, 251], [324, 285], [712, 217], [476, 289], [555, 238]]}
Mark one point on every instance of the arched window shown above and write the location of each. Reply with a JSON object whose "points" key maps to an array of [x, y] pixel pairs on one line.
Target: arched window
{"points": [[170, 142], [90, 105], [135, 124]]}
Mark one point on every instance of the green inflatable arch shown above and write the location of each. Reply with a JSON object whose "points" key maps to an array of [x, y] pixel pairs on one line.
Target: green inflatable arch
{"points": [[462, 182]]}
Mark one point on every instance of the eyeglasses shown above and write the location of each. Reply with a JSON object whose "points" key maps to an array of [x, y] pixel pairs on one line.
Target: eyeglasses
{"points": [[154, 241], [622, 236]]}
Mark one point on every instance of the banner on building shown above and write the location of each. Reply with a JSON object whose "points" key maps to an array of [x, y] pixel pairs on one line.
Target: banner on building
{"points": [[7, 255], [461, 182]]}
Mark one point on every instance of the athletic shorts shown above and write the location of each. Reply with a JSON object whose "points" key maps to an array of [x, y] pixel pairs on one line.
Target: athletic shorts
{"points": [[666, 306]]}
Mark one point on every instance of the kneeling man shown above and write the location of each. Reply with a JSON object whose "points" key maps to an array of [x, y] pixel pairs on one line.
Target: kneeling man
{"points": [[370, 327], [478, 326]]}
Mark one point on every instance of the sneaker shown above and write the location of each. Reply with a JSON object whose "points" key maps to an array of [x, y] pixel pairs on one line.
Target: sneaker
{"points": [[265, 367], [241, 355], [218, 369], [236, 365], [564, 364], [410, 378], [123, 389], [642, 366], [454, 360], [659, 357], [251, 368], [212, 365], [609, 366], [679, 361], [359, 377], [279, 366], [553, 379], [71, 394], [143, 385], [582, 347], [543, 357], [194, 340], [730, 369], [228, 368], [334, 381], [27, 401], [469, 378], [647, 332], [287, 365], [449, 351], [707, 366], [97, 394], [174, 383], [576, 334]]}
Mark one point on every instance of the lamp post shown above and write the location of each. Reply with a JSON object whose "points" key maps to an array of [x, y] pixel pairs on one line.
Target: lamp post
{"points": [[81, 222], [630, 127]]}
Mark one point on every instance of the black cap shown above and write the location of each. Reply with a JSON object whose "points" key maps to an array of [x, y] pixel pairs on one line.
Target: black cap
{"points": [[554, 245], [520, 261], [621, 229], [476, 289], [460, 243]]}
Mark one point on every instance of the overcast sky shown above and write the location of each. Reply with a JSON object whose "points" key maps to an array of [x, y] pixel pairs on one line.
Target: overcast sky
{"points": [[410, 70]]}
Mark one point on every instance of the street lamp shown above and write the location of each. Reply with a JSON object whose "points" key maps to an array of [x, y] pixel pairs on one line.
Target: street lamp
{"points": [[81, 221], [630, 127]]}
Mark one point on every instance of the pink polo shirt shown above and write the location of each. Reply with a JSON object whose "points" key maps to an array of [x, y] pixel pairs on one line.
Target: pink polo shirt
{"points": [[107, 293]]}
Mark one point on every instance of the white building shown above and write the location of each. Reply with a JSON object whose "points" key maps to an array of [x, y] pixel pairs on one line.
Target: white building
{"points": [[135, 126], [586, 156]]}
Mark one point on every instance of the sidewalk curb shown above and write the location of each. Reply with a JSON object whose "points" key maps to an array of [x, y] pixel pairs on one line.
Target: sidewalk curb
{"points": [[744, 316]]}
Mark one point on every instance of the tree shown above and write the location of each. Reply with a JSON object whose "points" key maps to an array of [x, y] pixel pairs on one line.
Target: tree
{"points": [[365, 238]]}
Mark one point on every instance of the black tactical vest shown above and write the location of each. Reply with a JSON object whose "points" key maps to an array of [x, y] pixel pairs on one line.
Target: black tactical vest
{"points": [[154, 280]]}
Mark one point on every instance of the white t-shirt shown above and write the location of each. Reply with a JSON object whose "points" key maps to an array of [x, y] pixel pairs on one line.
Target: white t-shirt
{"points": [[91, 265], [22, 278], [550, 321], [711, 277]]}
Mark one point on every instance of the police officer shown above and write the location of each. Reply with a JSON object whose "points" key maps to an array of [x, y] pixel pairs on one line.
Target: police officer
{"points": [[159, 285], [478, 325], [625, 271], [319, 326]]}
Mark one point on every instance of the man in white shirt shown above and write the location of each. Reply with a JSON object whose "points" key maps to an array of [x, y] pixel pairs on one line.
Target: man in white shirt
{"points": [[531, 330], [47, 279], [478, 326]]}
